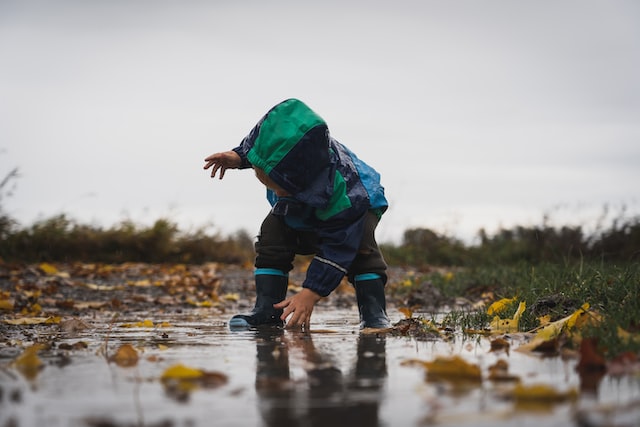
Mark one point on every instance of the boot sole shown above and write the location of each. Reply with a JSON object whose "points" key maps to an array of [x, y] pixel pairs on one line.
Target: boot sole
{"points": [[240, 323]]}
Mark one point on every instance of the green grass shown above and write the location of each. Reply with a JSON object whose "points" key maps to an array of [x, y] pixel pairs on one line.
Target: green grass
{"points": [[612, 290]]}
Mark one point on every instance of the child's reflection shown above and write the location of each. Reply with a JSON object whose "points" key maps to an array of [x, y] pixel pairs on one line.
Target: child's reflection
{"points": [[327, 397]]}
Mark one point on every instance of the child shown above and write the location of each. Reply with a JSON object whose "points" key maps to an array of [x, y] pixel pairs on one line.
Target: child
{"points": [[325, 201]]}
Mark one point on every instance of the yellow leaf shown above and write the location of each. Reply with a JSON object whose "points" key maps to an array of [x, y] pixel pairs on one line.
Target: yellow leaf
{"points": [[554, 329], [627, 336], [544, 320], [179, 380], [125, 356], [162, 347], [453, 368], [508, 325], [575, 316], [231, 296], [5, 304], [48, 269], [145, 324], [542, 393], [500, 306], [408, 313], [181, 372], [28, 363], [200, 304], [28, 321], [143, 283]]}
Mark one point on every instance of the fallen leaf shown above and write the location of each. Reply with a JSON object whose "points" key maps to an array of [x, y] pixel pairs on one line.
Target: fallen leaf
{"points": [[48, 269], [591, 360], [181, 372], [508, 325], [200, 303], [408, 313], [231, 296], [542, 393], [500, 306], [499, 372], [73, 326], [143, 283], [144, 324], [500, 344], [452, 368], [551, 331], [80, 345], [126, 356], [5, 304], [32, 320], [188, 378], [628, 337], [28, 363]]}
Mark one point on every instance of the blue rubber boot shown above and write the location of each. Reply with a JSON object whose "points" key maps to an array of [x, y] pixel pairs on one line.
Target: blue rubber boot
{"points": [[371, 301], [271, 288]]}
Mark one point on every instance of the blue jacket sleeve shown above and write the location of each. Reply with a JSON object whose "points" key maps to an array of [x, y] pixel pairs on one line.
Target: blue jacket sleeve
{"points": [[337, 250], [247, 144]]}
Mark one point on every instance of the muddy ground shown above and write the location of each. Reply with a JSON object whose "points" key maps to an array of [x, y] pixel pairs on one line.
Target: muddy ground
{"points": [[141, 345]]}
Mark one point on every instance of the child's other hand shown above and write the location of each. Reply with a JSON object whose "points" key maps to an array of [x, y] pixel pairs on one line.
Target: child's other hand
{"points": [[222, 161], [299, 306]]}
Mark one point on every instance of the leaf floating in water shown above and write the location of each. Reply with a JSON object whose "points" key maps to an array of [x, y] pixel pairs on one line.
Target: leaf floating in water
{"points": [[147, 323], [180, 380], [125, 357], [542, 394], [28, 363], [499, 372], [452, 369], [181, 372], [500, 344]]}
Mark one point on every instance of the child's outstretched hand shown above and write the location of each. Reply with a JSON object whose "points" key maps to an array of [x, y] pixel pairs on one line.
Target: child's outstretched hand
{"points": [[222, 161], [300, 306]]}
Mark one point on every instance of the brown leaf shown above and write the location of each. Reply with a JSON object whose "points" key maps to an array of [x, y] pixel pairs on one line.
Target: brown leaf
{"points": [[499, 372], [590, 358], [500, 344], [72, 326], [126, 356]]}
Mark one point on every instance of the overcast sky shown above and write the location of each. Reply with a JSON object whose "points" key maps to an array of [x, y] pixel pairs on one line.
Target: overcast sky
{"points": [[476, 113]]}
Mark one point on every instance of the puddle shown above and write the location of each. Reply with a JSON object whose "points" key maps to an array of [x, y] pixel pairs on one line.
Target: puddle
{"points": [[332, 377]]}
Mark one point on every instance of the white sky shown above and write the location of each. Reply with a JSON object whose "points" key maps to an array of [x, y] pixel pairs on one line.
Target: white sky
{"points": [[476, 113]]}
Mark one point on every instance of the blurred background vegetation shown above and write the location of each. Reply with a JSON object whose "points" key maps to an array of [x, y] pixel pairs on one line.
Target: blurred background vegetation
{"points": [[62, 239]]}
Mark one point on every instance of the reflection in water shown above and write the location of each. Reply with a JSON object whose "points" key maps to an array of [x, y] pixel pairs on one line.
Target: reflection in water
{"points": [[328, 397]]}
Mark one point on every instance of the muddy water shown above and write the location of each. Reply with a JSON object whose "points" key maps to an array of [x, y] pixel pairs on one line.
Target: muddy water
{"points": [[332, 377]]}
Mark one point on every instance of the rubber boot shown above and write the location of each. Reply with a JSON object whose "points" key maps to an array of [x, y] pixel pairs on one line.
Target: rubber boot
{"points": [[371, 301], [271, 288]]}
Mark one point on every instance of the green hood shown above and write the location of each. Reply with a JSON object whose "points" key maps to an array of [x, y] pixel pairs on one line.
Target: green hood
{"points": [[292, 146]]}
